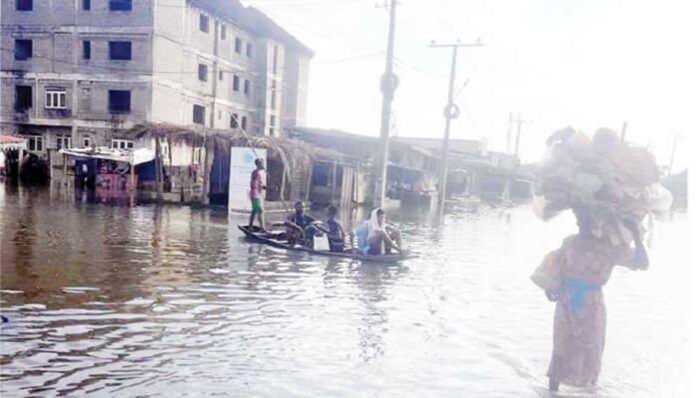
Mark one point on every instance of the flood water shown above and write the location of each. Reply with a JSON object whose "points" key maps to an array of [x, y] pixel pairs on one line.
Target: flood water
{"points": [[170, 301]]}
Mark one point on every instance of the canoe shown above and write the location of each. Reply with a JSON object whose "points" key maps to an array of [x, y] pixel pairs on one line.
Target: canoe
{"points": [[265, 238]]}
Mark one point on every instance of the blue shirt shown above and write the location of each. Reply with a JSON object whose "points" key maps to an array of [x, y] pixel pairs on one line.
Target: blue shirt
{"points": [[361, 233]]}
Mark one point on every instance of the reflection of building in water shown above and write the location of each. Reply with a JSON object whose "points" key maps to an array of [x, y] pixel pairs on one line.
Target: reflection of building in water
{"points": [[72, 246]]}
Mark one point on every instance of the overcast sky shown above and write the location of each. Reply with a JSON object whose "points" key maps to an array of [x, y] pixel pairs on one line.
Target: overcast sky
{"points": [[586, 63]]}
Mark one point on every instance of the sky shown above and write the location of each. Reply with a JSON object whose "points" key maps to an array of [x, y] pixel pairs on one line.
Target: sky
{"points": [[589, 64]]}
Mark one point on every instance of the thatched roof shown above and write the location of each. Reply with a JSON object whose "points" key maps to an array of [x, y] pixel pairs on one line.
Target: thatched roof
{"points": [[224, 139]]}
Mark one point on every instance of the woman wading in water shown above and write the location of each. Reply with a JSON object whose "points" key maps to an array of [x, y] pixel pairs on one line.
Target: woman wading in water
{"points": [[585, 263]]}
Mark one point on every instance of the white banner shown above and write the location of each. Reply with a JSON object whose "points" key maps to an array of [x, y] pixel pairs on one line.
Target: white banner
{"points": [[241, 166]]}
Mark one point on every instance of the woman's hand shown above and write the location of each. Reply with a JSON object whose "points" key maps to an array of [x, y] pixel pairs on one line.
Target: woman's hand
{"points": [[552, 296]]}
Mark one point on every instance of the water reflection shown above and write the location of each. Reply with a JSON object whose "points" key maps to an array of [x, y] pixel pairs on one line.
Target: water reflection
{"points": [[146, 300]]}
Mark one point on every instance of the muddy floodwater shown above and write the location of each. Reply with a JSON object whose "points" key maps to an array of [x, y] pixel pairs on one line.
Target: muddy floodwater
{"points": [[170, 301]]}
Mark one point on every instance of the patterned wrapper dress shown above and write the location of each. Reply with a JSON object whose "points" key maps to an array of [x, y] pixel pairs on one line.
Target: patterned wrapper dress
{"points": [[580, 319]]}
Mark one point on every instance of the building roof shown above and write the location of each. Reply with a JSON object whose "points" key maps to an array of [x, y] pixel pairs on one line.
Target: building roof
{"points": [[254, 20], [11, 139], [473, 147], [330, 133], [9, 142], [131, 156]]}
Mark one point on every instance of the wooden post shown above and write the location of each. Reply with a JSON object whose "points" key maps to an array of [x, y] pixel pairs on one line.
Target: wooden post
{"points": [[333, 182], [206, 173], [65, 170], [132, 178], [282, 183], [309, 179], [20, 157], [158, 167]]}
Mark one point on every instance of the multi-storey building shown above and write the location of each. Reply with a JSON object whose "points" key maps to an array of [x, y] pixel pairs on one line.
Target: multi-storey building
{"points": [[78, 72]]}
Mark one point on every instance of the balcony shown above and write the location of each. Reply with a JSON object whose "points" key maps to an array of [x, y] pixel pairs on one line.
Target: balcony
{"points": [[21, 116], [58, 113]]}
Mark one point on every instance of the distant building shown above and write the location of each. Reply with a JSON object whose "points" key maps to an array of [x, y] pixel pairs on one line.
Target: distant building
{"points": [[78, 72], [414, 164]]}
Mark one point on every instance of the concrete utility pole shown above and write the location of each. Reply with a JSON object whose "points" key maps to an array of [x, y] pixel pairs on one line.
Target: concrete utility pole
{"points": [[519, 122], [508, 146], [623, 131], [388, 86], [451, 112], [674, 149]]}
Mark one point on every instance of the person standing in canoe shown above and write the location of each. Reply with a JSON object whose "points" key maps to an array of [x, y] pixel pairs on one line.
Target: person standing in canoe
{"points": [[585, 263], [257, 185]]}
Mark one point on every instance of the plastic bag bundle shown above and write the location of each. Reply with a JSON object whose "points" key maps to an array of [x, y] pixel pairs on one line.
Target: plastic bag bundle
{"points": [[613, 179]]}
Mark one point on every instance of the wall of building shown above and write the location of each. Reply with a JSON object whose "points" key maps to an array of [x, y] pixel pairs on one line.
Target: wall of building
{"points": [[183, 51], [296, 79], [58, 29]]}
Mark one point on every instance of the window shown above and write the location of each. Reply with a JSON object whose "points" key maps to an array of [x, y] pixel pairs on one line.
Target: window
{"points": [[223, 32], [244, 123], [121, 144], [271, 132], [23, 98], [86, 5], [35, 143], [55, 99], [86, 142], [119, 101], [25, 5], [197, 155], [23, 49], [120, 50], [248, 50], [247, 85], [86, 49], [198, 114], [272, 121], [63, 141], [273, 95], [233, 121], [235, 83], [221, 75], [120, 5], [238, 45], [204, 23], [202, 72]]}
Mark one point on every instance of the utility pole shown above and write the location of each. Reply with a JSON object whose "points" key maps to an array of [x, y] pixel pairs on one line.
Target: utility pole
{"points": [[508, 147], [388, 86], [519, 122], [623, 131], [674, 149], [451, 112]]}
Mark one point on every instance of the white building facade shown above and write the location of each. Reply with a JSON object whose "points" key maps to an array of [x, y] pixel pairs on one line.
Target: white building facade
{"points": [[77, 72]]}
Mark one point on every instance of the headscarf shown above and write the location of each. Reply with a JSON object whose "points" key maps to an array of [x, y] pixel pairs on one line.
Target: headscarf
{"points": [[373, 224]]}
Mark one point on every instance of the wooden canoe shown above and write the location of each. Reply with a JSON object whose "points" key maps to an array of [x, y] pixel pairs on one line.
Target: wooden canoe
{"points": [[267, 239]]}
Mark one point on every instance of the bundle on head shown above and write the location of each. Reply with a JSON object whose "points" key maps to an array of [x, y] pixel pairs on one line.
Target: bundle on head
{"points": [[610, 178]]}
